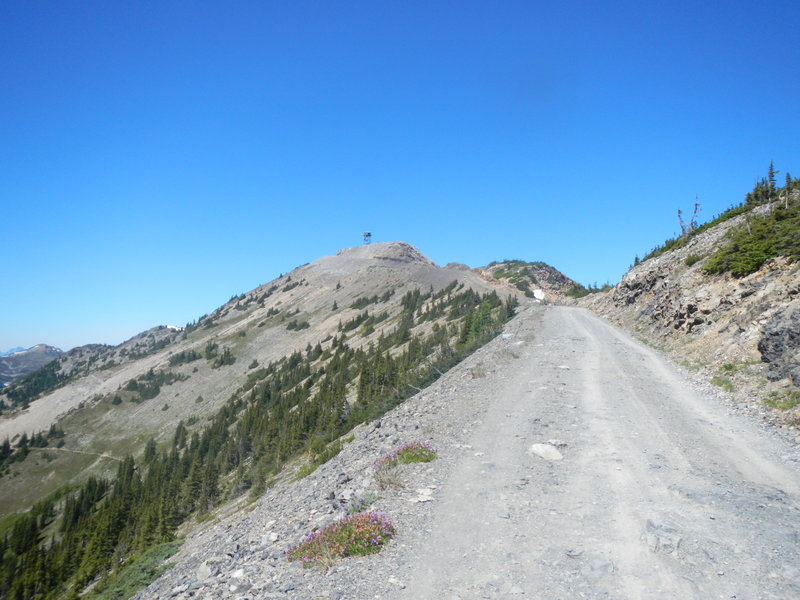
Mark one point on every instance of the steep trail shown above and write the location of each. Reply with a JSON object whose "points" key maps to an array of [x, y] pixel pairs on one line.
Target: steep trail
{"points": [[660, 493]]}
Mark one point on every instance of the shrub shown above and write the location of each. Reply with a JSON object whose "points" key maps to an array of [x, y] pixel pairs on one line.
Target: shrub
{"points": [[353, 535], [692, 259]]}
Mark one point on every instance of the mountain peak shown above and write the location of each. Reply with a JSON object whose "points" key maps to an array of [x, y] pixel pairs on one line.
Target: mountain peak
{"points": [[391, 251]]}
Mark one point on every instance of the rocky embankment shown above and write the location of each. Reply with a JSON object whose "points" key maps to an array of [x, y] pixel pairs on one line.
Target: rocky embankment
{"points": [[742, 332]]}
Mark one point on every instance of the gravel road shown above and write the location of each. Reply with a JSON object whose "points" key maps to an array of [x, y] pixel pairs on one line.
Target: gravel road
{"points": [[595, 469]]}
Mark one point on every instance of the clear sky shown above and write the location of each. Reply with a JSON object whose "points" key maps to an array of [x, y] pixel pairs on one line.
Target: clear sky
{"points": [[157, 157]]}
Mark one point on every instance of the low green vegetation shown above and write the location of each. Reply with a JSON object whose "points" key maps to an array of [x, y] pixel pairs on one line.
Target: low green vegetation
{"points": [[319, 456], [352, 535], [186, 356], [363, 319], [223, 359], [750, 245], [295, 325], [692, 259], [386, 475], [136, 574], [783, 400], [412, 452], [365, 301], [723, 382]]}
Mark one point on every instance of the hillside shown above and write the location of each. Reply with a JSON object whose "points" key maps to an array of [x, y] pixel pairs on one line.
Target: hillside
{"points": [[723, 299], [534, 279], [275, 374], [15, 365]]}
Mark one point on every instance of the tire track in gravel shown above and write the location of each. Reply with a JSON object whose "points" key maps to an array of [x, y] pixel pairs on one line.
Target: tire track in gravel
{"points": [[660, 493]]}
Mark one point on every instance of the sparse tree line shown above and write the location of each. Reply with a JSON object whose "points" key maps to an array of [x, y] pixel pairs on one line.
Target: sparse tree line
{"points": [[293, 406], [21, 448], [774, 231]]}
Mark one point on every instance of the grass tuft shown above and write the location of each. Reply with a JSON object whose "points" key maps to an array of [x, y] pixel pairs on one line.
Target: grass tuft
{"points": [[723, 382], [783, 401]]}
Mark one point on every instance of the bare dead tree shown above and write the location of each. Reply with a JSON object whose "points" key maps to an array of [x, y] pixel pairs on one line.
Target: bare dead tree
{"points": [[687, 228]]}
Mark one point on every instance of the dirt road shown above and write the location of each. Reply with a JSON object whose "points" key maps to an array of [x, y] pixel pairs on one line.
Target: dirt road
{"points": [[659, 492]]}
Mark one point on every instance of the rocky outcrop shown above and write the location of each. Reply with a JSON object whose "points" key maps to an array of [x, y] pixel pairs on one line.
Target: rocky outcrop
{"points": [[534, 279], [740, 330], [780, 345]]}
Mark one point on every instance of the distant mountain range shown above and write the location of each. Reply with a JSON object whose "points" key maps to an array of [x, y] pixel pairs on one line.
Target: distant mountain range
{"points": [[12, 351], [18, 362]]}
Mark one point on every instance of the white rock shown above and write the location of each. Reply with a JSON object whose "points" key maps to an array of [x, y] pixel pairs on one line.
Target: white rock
{"points": [[546, 451]]}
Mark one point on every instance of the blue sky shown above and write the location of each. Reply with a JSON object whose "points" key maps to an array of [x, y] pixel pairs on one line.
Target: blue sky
{"points": [[158, 157]]}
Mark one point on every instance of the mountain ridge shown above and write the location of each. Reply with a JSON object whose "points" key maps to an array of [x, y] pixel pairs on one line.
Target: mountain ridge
{"points": [[15, 365], [196, 369], [12, 350]]}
